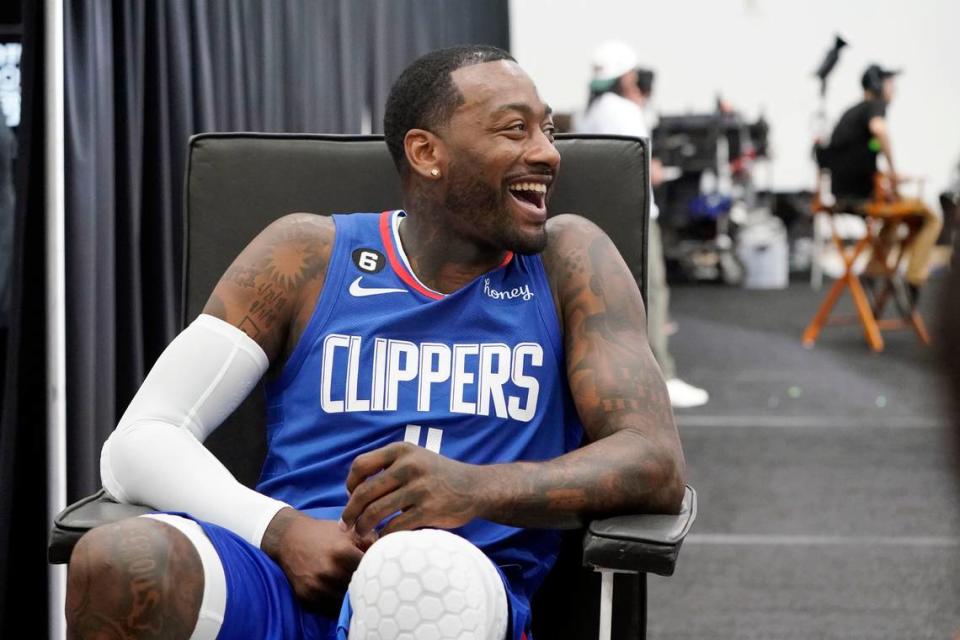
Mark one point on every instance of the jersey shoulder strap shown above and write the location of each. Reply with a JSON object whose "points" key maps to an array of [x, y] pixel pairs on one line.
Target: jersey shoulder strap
{"points": [[351, 229]]}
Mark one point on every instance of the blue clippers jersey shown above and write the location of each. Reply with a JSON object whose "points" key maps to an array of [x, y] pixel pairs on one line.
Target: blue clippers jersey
{"points": [[477, 376]]}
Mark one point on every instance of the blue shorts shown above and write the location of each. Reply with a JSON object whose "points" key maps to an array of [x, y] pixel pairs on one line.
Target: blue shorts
{"points": [[261, 603]]}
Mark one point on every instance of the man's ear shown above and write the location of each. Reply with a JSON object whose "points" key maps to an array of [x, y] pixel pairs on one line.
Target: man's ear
{"points": [[426, 153]]}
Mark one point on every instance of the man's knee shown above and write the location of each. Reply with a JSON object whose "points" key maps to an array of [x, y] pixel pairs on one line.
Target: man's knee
{"points": [[139, 577], [427, 581]]}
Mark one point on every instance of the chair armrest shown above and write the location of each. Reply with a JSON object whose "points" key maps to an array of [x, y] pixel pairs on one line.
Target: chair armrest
{"points": [[83, 515], [639, 543]]}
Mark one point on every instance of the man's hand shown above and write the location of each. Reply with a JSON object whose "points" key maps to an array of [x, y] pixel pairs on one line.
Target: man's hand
{"points": [[656, 172], [317, 557], [895, 182], [427, 489]]}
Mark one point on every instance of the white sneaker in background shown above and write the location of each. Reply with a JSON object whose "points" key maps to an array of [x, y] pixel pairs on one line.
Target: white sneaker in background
{"points": [[685, 396]]}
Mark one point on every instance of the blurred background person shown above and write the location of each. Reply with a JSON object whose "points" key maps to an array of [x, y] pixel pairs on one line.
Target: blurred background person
{"points": [[950, 202], [859, 137], [619, 93]]}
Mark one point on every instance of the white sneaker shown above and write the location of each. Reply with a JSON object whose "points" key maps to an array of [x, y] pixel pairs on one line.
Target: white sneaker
{"points": [[685, 396]]}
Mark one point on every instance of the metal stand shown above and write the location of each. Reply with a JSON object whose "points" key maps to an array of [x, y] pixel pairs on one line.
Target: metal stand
{"points": [[606, 604]]}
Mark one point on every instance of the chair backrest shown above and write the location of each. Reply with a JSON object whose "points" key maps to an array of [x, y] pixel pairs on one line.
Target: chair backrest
{"points": [[237, 183]]}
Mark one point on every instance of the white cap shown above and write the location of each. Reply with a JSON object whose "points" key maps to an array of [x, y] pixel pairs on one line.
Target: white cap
{"points": [[610, 61]]}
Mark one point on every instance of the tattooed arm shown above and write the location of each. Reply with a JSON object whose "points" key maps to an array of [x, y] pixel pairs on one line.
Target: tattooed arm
{"points": [[269, 290], [633, 461], [155, 456], [249, 322], [269, 293], [209, 368]]}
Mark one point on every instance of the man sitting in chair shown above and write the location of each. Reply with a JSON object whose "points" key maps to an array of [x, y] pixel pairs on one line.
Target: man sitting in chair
{"points": [[858, 137], [466, 323]]}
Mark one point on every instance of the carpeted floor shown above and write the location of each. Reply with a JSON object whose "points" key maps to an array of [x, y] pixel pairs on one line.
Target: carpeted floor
{"points": [[828, 505]]}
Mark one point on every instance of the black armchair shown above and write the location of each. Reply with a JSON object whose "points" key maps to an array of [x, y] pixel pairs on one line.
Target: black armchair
{"points": [[238, 183]]}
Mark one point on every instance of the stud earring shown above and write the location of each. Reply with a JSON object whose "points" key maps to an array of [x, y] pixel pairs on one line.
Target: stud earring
{"points": [[435, 172]]}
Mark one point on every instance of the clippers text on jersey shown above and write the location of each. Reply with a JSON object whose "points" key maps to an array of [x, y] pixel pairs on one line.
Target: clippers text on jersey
{"points": [[475, 379]]}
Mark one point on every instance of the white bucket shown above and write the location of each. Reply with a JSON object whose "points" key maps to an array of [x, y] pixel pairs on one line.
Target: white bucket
{"points": [[763, 250]]}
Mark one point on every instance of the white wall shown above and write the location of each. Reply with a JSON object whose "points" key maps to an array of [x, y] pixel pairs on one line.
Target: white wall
{"points": [[760, 55]]}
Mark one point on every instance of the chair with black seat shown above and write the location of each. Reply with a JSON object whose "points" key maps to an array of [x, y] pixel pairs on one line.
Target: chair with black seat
{"points": [[238, 183]]}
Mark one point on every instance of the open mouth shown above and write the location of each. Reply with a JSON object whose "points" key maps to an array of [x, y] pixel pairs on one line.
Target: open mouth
{"points": [[530, 195]]}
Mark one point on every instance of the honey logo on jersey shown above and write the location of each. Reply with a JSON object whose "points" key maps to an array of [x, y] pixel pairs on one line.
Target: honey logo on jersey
{"points": [[523, 292]]}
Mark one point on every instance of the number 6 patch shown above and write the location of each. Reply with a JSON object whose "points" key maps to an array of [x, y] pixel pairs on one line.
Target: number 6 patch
{"points": [[369, 260]]}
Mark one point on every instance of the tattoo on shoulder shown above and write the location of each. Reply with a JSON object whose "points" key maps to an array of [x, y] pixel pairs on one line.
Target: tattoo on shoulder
{"points": [[274, 270], [292, 254], [242, 274]]}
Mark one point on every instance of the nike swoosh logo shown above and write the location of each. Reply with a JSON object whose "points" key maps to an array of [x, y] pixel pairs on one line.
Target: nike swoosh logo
{"points": [[359, 292]]}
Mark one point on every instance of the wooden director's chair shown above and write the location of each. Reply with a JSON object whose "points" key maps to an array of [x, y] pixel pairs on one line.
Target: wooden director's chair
{"points": [[884, 208]]}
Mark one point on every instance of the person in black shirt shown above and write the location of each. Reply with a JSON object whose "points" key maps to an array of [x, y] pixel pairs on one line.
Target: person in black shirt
{"points": [[859, 136]]}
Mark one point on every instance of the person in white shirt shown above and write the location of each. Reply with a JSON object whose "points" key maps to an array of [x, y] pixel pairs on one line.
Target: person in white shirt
{"points": [[619, 92]]}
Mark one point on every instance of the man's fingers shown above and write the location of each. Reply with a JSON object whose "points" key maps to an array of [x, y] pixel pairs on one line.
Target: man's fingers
{"points": [[409, 520], [368, 492], [382, 508], [369, 463], [363, 542]]}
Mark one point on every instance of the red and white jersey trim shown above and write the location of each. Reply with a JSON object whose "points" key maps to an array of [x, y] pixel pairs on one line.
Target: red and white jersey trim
{"points": [[390, 235]]}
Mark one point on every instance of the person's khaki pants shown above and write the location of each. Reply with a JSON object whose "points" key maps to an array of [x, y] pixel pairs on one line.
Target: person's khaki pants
{"points": [[921, 247], [658, 302]]}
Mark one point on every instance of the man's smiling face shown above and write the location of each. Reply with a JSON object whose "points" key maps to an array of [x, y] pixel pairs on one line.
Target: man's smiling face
{"points": [[502, 158]]}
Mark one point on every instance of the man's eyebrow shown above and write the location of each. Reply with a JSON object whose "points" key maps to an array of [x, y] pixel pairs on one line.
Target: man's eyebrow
{"points": [[522, 107]]}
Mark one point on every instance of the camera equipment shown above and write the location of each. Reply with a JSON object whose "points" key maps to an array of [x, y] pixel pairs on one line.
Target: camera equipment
{"points": [[645, 79], [829, 62]]}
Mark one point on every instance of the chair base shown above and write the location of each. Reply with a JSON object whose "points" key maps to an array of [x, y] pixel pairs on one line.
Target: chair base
{"points": [[869, 316]]}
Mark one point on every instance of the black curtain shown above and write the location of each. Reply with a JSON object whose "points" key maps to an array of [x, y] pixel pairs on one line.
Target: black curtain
{"points": [[399, 31], [141, 77], [23, 469]]}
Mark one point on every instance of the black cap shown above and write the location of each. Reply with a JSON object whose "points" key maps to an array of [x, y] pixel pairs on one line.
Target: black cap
{"points": [[874, 76]]}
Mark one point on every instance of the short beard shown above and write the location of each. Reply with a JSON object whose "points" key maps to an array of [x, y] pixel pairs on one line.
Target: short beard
{"points": [[484, 210]]}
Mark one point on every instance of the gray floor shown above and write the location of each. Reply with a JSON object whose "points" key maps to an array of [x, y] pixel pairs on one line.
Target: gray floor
{"points": [[828, 505]]}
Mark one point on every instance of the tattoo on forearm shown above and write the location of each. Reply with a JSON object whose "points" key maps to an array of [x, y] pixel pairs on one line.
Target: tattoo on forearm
{"points": [[634, 461], [612, 476]]}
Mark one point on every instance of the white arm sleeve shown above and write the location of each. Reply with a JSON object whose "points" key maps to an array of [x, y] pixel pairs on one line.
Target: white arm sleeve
{"points": [[156, 456]]}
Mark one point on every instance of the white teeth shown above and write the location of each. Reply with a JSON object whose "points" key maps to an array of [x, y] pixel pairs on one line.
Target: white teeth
{"points": [[529, 186]]}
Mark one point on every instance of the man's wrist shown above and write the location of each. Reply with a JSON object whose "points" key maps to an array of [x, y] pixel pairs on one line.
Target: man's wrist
{"points": [[272, 541], [489, 495]]}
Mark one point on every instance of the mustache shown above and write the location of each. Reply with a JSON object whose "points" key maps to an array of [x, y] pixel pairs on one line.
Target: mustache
{"points": [[537, 170], [543, 170]]}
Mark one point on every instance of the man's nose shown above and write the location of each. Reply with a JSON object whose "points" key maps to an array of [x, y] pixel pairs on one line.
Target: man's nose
{"points": [[543, 151]]}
